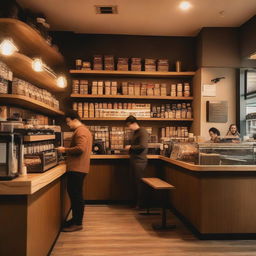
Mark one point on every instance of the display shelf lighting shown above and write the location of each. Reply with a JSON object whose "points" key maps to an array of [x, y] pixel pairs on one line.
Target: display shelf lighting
{"points": [[61, 81], [7, 47], [38, 65]]}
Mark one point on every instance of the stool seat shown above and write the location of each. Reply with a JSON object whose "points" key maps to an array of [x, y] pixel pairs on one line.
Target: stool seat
{"points": [[157, 183]]}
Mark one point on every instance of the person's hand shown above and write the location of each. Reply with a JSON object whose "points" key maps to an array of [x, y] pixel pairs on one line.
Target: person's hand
{"points": [[127, 147], [61, 149]]}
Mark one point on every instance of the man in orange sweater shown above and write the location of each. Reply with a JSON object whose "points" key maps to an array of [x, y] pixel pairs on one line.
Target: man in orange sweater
{"points": [[78, 164]]}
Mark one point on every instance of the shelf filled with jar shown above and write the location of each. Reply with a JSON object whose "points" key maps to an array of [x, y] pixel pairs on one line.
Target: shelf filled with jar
{"points": [[142, 111], [108, 66], [130, 90]]}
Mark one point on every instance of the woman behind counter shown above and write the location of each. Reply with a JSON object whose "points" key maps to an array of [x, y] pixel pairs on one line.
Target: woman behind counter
{"points": [[233, 131], [214, 134], [233, 134]]}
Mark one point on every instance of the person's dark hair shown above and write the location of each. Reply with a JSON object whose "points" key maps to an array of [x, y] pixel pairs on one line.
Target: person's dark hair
{"points": [[131, 120], [214, 130], [72, 114]]}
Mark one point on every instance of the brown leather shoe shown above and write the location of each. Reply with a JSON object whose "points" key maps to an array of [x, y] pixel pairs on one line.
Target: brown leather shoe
{"points": [[72, 228]]}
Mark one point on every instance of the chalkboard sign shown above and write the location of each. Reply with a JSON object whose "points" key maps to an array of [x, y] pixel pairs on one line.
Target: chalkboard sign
{"points": [[217, 111]]}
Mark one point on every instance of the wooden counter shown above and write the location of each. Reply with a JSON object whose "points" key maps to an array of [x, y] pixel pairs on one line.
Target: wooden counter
{"points": [[120, 156], [32, 182], [214, 200], [186, 165], [32, 209], [209, 168], [217, 201]]}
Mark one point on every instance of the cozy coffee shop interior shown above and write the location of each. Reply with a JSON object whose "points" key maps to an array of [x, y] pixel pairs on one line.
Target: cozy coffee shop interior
{"points": [[185, 70]]}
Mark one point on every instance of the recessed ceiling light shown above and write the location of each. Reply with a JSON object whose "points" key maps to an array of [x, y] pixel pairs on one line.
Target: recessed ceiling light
{"points": [[185, 5]]}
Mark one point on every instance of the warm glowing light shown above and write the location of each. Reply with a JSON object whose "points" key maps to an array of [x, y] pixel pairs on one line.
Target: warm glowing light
{"points": [[185, 5], [61, 82], [37, 65], [7, 47]]}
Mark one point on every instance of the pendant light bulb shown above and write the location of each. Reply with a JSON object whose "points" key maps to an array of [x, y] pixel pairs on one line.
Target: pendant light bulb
{"points": [[62, 82], [37, 65], [7, 47]]}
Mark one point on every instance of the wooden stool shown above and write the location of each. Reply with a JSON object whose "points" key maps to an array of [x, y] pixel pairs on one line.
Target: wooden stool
{"points": [[159, 184]]}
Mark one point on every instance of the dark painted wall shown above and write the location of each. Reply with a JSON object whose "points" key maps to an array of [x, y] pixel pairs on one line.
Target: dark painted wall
{"points": [[218, 47], [248, 37], [86, 45], [248, 42]]}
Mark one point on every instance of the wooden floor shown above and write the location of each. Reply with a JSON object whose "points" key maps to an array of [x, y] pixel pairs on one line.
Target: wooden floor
{"points": [[118, 230]]}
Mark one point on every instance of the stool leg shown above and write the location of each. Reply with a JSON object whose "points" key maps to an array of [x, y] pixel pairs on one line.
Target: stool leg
{"points": [[148, 206], [163, 217], [163, 225]]}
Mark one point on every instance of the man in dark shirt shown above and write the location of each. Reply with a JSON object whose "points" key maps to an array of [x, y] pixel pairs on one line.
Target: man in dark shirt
{"points": [[138, 155]]}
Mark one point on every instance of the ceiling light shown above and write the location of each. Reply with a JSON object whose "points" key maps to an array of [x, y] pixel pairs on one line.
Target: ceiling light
{"points": [[62, 82], [185, 5], [37, 65], [7, 47]]}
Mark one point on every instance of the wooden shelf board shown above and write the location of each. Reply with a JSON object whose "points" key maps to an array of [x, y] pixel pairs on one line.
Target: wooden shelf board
{"points": [[26, 102], [133, 73], [21, 66], [142, 119], [30, 138], [129, 97], [29, 41]]}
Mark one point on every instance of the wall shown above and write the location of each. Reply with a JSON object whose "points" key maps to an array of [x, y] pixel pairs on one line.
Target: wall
{"points": [[226, 90], [218, 47], [248, 38], [86, 45], [196, 127], [218, 55]]}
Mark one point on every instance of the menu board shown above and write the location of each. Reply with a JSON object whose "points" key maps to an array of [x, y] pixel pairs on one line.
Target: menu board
{"points": [[217, 111]]}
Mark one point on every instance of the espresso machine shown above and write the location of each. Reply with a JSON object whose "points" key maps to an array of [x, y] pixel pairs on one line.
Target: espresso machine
{"points": [[11, 155]]}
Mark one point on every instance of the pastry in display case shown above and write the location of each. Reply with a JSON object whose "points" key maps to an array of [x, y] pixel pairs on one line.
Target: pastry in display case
{"points": [[226, 153], [215, 153], [187, 152]]}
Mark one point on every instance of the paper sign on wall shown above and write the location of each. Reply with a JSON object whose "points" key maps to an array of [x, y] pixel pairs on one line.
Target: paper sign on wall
{"points": [[209, 90]]}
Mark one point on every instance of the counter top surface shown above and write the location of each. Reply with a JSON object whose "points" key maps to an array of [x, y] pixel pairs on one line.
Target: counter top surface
{"points": [[32, 182], [186, 165], [209, 168], [120, 156]]}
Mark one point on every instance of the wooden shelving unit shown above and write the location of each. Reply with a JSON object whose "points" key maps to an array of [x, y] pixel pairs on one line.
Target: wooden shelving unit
{"points": [[21, 66], [126, 74], [30, 44], [132, 73], [26, 102], [33, 138], [141, 119], [91, 96], [29, 41]]}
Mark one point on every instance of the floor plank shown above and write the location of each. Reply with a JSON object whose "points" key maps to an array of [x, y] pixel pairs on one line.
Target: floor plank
{"points": [[118, 230]]}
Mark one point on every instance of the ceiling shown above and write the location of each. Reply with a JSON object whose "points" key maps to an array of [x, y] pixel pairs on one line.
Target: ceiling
{"points": [[143, 17]]}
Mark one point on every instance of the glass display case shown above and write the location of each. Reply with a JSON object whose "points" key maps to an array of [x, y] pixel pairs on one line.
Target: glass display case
{"points": [[215, 153], [226, 153]]}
